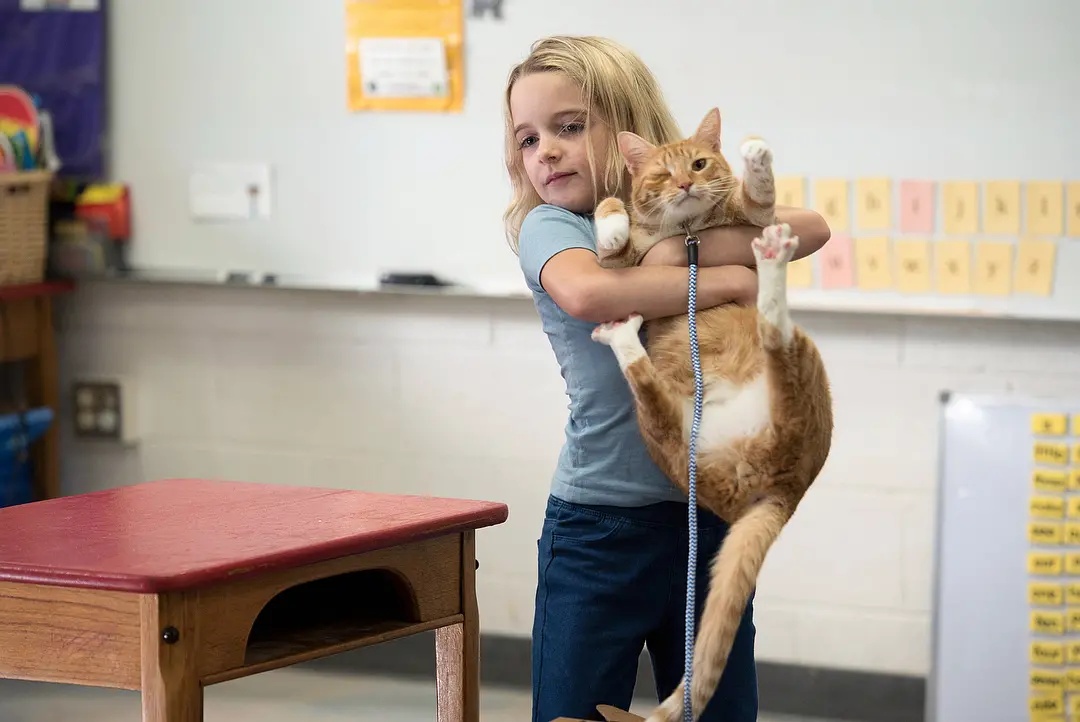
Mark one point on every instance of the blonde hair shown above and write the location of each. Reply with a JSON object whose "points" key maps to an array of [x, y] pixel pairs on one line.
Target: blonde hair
{"points": [[618, 89]]}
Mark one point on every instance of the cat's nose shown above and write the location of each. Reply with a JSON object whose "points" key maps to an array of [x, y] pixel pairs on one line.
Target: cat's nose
{"points": [[685, 185]]}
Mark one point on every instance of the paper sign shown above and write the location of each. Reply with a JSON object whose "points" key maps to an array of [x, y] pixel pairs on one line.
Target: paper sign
{"points": [[873, 263], [800, 273], [1049, 452], [1072, 620], [1045, 210], [912, 257], [837, 263], [961, 207], [1049, 480], [1072, 593], [1001, 208], [917, 206], [1074, 480], [1048, 653], [1034, 272], [1047, 507], [1072, 680], [1042, 706], [1072, 652], [1050, 623], [1044, 533], [1044, 564], [404, 56], [1045, 680], [790, 191], [831, 201], [993, 268], [1072, 507], [952, 267], [1045, 594], [873, 204], [1072, 563], [1072, 209], [1049, 424], [1072, 534]]}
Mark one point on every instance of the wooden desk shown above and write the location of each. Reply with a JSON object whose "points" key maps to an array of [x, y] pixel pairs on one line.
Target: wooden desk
{"points": [[27, 334], [169, 586]]}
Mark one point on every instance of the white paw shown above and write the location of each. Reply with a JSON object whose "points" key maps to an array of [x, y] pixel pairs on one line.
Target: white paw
{"points": [[612, 232], [775, 246], [612, 332], [756, 154]]}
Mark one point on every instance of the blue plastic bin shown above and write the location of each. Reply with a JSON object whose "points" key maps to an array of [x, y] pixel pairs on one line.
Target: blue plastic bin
{"points": [[17, 432]]}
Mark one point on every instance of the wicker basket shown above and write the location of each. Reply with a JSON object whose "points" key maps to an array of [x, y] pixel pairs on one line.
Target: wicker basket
{"points": [[24, 226]]}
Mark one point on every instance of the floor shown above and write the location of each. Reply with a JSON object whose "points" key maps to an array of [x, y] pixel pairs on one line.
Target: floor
{"points": [[288, 695]]}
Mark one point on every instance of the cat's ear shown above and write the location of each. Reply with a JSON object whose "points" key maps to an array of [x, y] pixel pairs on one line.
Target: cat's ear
{"points": [[635, 150], [708, 133]]}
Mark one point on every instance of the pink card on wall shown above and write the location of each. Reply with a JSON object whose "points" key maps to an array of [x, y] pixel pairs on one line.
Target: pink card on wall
{"points": [[837, 262], [916, 206]]}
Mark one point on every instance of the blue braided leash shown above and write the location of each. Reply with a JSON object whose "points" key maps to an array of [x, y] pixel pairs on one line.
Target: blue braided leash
{"points": [[691, 562]]}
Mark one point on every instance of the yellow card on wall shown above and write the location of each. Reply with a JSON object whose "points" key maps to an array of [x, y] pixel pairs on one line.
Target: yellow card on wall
{"points": [[1047, 507], [912, 265], [831, 201], [952, 267], [1001, 208], [1049, 424], [873, 204], [1045, 594], [1044, 564], [1072, 593], [1034, 272], [1044, 211], [873, 269], [1050, 452], [993, 268], [1072, 533], [960, 203], [405, 55], [1045, 680], [1072, 680], [1049, 480], [791, 191], [1050, 623], [800, 273], [1076, 454], [1072, 209], [1048, 653], [1046, 533]]}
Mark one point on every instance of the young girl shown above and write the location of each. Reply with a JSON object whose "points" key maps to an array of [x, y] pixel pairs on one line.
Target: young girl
{"points": [[613, 548]]}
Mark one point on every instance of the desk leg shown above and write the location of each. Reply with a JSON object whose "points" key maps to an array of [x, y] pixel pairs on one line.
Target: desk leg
{"points": [[457, 649], [171, 690]]}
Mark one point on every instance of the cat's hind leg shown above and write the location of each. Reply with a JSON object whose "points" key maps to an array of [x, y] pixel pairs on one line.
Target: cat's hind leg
{"points": [[772, 251], [659, 409]]}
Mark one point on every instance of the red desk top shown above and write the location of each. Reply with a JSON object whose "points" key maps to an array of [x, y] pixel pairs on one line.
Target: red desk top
{"points": [[34, 290], [183, 533]]}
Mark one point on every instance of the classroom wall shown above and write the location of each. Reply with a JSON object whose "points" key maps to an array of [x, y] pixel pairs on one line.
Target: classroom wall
{"points": [[463, 398]]}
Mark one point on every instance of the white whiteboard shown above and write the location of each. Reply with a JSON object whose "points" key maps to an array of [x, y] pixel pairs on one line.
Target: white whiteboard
{"points": [[983, 638], [961, 89]]}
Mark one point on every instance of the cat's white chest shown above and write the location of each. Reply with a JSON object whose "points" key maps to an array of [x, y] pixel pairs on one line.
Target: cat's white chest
{"points": [[729, 413]]}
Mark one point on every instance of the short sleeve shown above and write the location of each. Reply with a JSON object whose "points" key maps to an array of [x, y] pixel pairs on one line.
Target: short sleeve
{"points": [[546, 231]]}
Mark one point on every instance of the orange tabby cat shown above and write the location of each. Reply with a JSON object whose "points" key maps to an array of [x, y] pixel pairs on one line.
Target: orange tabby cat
{"points": [[766, 423]]}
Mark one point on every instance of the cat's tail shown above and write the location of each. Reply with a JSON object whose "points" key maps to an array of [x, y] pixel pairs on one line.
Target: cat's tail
{"points": [[733, 576]]}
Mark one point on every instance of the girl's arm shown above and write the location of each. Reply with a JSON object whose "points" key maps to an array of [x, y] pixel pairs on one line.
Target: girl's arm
{"points": [[586, 290], [730, 245]]}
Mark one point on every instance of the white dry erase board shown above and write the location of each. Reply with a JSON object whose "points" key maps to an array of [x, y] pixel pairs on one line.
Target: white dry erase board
{"points": [[961, 91], [1007, 588]]}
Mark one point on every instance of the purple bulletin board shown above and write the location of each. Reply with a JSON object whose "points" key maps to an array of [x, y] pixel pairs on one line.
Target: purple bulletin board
{"points": [[56, 50]]}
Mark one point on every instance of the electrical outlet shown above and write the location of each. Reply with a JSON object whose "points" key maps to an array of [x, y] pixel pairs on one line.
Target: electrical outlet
{"points": [[104, 409]]}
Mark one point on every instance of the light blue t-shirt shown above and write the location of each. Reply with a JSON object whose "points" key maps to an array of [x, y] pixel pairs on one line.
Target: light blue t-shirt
{"points": [[603, 460]]}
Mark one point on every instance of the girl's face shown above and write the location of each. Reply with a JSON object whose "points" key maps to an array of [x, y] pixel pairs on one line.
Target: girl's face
{"points": [[549, 126]]}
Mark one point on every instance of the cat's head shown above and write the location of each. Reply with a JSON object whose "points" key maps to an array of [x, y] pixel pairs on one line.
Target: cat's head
{"points": [[681, 180]]}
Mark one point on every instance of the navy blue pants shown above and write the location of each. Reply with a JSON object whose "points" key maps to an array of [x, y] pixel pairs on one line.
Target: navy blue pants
{"points": [[612, 580]]}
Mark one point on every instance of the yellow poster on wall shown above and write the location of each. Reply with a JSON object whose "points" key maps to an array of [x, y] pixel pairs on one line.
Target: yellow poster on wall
{"points": [[405, 55]]}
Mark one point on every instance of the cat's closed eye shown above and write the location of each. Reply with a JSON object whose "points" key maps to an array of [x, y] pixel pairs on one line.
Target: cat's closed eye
{"points": [[699, 164]]}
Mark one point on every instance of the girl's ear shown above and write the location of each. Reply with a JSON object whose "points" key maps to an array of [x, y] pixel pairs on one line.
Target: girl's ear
{"points": [[635, 150], [708, 133]]}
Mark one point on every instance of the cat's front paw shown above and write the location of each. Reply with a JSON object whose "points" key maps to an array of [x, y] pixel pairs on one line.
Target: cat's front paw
{"points": [[776, 245], [612, 232], [611, 332], [756, 154]]}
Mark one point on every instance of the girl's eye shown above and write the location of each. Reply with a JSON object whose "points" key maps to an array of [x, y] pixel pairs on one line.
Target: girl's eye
{"points": [[699, 164], [573, 127], [526, 141]]}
